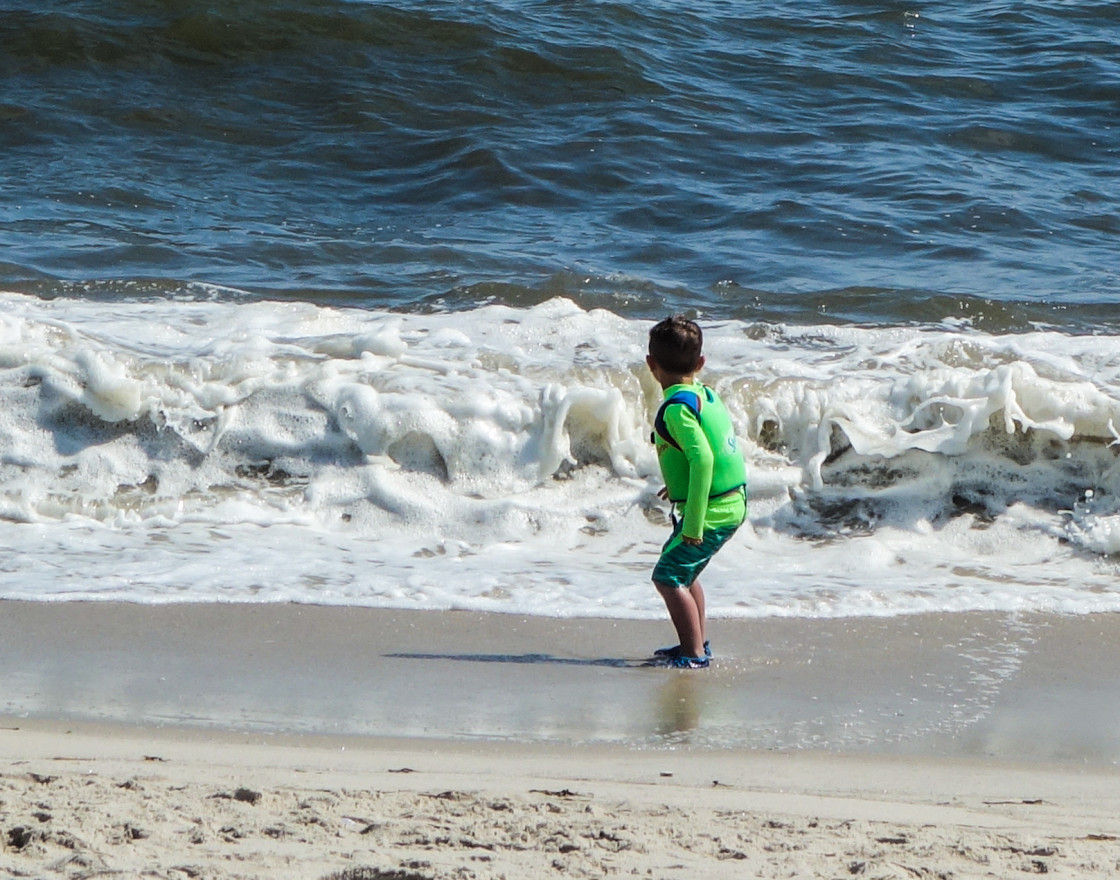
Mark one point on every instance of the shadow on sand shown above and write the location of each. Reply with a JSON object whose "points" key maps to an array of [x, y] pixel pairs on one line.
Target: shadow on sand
{"points": [[615, 662]]}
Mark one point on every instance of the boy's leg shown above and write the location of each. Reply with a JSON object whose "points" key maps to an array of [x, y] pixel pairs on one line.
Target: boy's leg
{"points": [[686, 617], [682, 563], [697, 593]]}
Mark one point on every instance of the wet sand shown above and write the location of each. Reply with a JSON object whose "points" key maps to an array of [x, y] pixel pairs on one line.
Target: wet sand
{"points": [[971, 685], [284, 741]]}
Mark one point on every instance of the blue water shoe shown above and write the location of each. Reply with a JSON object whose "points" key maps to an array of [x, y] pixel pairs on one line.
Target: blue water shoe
{"points": [[675, 651], [679, 662]]}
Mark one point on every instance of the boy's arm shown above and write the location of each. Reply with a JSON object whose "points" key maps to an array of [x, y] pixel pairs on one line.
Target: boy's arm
{"points": [[686, 431]]}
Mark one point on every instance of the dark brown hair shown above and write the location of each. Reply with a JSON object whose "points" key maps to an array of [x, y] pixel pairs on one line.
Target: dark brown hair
{"points": [[676, 344]]}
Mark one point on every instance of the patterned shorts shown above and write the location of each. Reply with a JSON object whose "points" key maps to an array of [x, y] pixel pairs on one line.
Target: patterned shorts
{"points": [[680, 563]]}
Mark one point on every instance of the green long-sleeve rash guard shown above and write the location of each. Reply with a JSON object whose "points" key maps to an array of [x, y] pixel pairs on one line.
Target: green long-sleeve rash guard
{"points": [[707, 464]]}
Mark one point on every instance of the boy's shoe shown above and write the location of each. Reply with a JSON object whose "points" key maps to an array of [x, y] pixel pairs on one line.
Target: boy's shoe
{"points": [[689, 663], [675, 651]]}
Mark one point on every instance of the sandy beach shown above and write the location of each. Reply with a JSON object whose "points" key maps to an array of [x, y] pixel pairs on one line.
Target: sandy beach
{"points": [[303, 742]]}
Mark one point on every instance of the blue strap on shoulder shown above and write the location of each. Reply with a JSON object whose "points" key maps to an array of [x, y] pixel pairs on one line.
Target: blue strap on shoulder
{"points": [[686, 398]]}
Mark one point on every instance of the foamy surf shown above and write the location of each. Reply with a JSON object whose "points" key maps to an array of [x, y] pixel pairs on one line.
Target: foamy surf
{"points": [[498, 459]]}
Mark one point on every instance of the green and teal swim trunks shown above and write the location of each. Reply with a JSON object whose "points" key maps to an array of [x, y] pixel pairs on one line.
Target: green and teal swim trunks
{"points": [[680, 563]]}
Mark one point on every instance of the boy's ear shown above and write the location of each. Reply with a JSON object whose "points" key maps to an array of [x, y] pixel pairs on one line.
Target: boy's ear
{"points": [[699, 364]]}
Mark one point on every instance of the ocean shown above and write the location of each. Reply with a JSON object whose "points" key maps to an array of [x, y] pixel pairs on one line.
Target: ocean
{"points": [[346, 302]]}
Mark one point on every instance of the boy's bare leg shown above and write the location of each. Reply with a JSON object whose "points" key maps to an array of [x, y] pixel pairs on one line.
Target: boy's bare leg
{"points": [[686, 618], [697, 593]]}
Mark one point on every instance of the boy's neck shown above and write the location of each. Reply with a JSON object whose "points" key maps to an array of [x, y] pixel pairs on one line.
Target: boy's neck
{"points": [[668, 380]]}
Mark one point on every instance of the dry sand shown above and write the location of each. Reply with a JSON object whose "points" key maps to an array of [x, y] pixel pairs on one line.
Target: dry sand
{"points": [[77, 803], [265, 742]]}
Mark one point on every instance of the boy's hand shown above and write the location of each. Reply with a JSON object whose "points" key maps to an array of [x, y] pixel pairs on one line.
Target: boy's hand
{"points": [[692, 542], [663, 493]]}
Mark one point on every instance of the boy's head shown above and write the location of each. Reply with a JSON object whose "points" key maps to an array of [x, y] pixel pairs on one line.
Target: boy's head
{"points": [[675, 345]]}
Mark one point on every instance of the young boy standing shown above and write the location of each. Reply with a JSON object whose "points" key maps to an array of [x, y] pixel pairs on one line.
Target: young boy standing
{"points": [[705, 476]]}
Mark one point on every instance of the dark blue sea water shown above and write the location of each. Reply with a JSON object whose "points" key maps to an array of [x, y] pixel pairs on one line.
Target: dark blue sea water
{"points": [[876, 162], [348, 301]]}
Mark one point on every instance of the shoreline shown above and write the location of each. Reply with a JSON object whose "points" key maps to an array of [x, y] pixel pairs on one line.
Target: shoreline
{"points": [[1012, 687], [261, 742]]}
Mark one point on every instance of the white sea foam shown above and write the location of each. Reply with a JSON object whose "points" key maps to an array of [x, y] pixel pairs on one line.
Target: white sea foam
{"points": [[499, 459]]}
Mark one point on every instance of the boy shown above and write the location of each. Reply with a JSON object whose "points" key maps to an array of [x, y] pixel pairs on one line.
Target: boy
{"points": [[703, 471]]}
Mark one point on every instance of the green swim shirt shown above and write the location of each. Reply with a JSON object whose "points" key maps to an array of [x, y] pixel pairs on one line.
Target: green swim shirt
{"points": [[703, 474]]}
